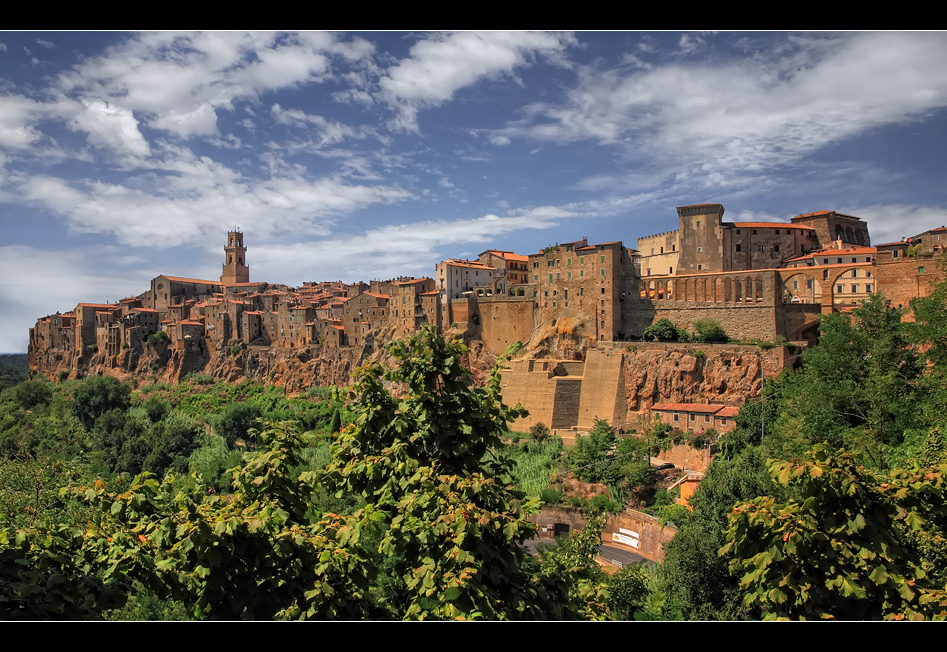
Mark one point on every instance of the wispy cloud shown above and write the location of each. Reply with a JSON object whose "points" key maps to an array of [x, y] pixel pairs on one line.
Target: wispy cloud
{"points": [[445, 63]]}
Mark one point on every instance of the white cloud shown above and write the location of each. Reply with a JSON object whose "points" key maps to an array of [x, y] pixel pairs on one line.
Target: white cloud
{"points": [[753, 113], [46, 44], [180, 80], [439, 67], [396, 249], [190, 200], [111, 127], [891, 222], [35, 282]]}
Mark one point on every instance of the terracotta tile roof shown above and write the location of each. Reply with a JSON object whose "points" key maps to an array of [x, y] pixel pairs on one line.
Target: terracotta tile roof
{"points": [[181, 279], [770, 225], [812, 214], [728, 411], [700, 408], [98, 305]]}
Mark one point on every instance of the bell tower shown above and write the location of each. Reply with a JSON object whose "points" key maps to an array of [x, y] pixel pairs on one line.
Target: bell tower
{"points": [[235, 268]]}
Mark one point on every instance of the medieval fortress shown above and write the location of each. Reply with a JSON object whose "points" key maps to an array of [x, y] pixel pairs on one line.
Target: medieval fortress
{"points": [[580, 309]]}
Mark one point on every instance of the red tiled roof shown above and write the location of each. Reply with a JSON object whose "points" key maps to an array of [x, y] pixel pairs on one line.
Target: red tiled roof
{"points": [[192, 280], [700, 408], [728, 411], [769, 225]]}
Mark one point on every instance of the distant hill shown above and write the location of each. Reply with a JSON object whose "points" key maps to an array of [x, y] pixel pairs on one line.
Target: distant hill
{"points": [[18, 362]]}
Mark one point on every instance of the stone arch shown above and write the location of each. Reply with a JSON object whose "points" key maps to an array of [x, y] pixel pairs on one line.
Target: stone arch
{"points": [[859, 237], [839, 234], [759, 288], [718, 290], [737, 289], [849, 235], [703, 290], [803, 286], [727, 290]]}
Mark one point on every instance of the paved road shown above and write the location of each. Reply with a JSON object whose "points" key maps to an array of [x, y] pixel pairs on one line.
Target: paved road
{"points": [[606, 551]]}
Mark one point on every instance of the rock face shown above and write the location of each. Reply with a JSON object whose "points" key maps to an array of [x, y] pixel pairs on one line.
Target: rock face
{"points": [[584, 380], [698, 373]]}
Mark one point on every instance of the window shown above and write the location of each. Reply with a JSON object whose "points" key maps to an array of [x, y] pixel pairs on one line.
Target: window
{"points": [[652, 251], [535, 264], [700, 267], [920, 270], [693, 417], [839, 261], [550, 278], [894, 254], [670, 270], [700, 250], [557, 276], [673, 247], [602, 271], [854, 260], [536, 277], [840, 289], [776, 232], [581, 292], [809, 284], [825, 261], [754, 231], [603, 302], [565, 294], [569, 275], [603, 257], [569, 262], [759, 248], [854, 287], [738, 231], [581, 273], [795, 285], [698, 223], [582, 258], [739, 248], [868, 287], [825, 275], [706, 418], [548, 263], [603, 289], [677, 417], [775, 249]]}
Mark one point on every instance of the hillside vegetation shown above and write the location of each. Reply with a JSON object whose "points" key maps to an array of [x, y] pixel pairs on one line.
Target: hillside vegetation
{"points": [[397, 499]]}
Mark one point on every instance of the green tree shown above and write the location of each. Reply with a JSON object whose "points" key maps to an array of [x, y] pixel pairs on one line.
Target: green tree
{"points": [[31, 393], [694, 580], [96, 396], [453, 529], [857, 389], [837, 549], [539, 432], [235, 421], [662, 330], [708, 330]]}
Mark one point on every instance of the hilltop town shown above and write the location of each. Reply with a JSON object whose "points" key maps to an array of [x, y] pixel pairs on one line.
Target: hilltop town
{"points": [[580, 309]]}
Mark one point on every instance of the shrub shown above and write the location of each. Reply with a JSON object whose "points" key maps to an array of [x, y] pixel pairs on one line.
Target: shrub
{"points": [[662, 330], [161, 337], [708, 330], [96, 396], [31, 393], [540, 432]]}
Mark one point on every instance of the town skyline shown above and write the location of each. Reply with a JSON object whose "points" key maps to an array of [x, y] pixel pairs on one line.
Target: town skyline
{"points": [[359, 156]]}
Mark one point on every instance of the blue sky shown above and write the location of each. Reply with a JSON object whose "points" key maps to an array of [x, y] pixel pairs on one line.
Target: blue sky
{"points": [[348, 156]]}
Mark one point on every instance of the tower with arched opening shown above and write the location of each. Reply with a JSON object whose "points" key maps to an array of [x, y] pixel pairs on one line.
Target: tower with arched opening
{"points": [[235, 268]]}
